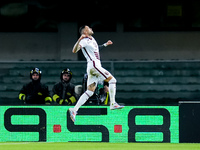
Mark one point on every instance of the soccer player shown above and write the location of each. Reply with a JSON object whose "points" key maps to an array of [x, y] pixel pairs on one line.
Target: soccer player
{"points": [[95, 71]]}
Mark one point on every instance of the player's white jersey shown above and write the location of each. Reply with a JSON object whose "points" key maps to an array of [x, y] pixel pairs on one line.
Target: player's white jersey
{"points": [[90, 49]]}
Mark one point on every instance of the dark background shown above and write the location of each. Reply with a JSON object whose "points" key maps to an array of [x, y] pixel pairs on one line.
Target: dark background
{"points": [[102, 15]]}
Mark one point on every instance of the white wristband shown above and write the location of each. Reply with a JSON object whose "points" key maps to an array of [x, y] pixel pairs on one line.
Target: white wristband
{"points": [[105, 44]]}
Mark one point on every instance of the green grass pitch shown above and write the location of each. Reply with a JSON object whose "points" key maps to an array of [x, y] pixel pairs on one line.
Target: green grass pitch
{"points": [[95, 146]]}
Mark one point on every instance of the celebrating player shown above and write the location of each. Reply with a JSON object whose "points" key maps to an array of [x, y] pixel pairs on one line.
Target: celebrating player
{"points": [[95, 71]]}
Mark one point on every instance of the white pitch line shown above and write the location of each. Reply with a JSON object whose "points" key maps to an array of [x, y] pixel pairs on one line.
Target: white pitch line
{"points": [[10, 143]]}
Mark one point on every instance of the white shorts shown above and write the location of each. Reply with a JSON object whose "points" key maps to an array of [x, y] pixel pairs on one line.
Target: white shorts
{"points": [[96, 72]]}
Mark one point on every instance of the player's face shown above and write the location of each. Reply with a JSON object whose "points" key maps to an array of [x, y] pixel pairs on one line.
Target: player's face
{"points": [[66, 77], [89, 30], [35, 76]]}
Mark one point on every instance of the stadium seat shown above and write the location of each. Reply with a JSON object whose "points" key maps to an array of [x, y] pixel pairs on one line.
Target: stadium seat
{"points": [[138, 82]]}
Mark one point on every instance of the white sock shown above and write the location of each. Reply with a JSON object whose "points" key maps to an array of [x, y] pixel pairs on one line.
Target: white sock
{"points": [[84, 97], [112, 90]]}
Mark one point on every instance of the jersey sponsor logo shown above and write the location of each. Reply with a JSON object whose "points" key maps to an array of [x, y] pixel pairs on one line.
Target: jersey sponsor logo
{"points": [[97, 55]]}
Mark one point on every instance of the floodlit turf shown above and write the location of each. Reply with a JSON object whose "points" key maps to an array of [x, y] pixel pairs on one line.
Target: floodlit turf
{"points": [[96, 146]]}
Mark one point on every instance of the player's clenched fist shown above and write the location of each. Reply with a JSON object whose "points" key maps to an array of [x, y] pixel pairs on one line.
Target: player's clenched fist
{"points": [[83, 36]]}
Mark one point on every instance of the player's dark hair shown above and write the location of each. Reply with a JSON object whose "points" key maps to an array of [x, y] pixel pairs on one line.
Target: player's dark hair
{"points": [[81, 29]]}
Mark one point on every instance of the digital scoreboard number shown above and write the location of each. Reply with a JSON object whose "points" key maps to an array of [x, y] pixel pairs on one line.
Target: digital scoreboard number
{"points": [[93, 123]]}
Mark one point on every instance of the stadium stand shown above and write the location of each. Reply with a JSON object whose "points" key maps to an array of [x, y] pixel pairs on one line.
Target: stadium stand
{"points": [[138, 82]]}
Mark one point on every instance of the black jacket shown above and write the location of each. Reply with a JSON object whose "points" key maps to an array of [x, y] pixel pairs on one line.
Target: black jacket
{"points": [[63, 93], [35, 93]]}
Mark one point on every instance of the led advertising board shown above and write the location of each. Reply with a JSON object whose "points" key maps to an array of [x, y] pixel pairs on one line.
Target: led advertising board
{"points": [[93, 123]]}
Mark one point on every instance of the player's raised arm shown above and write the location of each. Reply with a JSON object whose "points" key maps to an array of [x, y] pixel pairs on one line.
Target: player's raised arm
{"points": [[77, 46]]}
